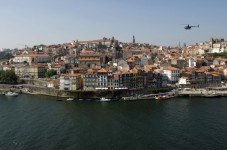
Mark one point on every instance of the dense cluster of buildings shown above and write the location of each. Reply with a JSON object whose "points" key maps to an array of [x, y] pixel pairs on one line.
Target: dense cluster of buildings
{"points": [[108, 64]]}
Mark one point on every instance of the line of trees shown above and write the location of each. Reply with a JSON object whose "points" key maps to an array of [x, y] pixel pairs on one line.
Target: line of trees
{"points": [[8, 77], [5, 55], [216, 55]]}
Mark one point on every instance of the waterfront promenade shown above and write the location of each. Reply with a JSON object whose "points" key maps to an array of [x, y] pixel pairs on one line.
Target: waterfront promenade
{"points": [[201, 91], [38, 90]]}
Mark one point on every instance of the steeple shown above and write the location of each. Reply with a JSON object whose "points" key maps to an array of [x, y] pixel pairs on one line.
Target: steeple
{"points": [[133, 39]]}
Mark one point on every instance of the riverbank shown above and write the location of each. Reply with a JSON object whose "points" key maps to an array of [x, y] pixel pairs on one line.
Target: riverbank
{"points": [[79, 94], [41, 90], [116, 94]]}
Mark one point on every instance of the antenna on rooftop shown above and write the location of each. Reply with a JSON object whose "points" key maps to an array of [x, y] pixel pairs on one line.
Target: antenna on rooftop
{"points": [[24, 45]]}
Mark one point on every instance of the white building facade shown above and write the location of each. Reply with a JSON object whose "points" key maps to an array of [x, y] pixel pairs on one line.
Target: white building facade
{"points": [[172, 73]]}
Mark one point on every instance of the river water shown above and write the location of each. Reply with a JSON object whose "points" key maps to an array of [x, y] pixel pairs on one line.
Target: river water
{"points": [[42, 123]]}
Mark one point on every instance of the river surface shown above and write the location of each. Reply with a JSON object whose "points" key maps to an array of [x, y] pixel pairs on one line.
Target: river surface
{"points": [[29, 122]]}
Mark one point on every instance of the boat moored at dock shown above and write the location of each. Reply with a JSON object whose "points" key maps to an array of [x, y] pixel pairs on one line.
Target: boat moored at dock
{"points": [[129, 98], [163, 97], [103, 99], [12, 94], [70, 99]]}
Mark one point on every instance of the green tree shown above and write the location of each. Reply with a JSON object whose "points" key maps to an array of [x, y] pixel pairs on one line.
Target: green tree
{"points": [[4, 55], [8, 76], [1, 75], [216, 55], [50, 73]]}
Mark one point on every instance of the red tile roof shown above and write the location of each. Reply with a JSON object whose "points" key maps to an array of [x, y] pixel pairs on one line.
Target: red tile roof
{"points": [[171, 68]]}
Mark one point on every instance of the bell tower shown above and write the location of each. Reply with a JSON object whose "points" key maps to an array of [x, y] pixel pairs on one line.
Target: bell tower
{"points": [[133, 39]]}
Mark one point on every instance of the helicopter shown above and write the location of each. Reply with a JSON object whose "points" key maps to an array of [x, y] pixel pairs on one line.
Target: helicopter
{"points": [[188, 27]]}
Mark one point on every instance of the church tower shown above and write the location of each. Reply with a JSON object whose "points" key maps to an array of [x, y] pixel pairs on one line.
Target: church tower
{"points": [[133, 39]]}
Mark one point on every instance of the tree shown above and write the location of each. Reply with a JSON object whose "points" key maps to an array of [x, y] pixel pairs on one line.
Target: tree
{"points": [[216, 55], [5, 55], [8, 76], [50, 73], [104, 38]]}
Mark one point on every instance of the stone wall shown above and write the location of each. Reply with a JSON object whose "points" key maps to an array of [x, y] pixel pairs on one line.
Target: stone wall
{"points": [[75, 94], [38, 87], [35, 82], [43, 90]]}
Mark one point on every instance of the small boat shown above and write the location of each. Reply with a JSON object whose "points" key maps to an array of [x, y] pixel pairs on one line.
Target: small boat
{"points": [[103, 99], [163, 97], [11, 94], [129, 98], [70, 99]]}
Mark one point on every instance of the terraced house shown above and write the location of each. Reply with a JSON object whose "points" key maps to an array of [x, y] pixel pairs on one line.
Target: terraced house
{"points": [[71, 82], [32, 58], [172, 73], [90, 80], [32, 71], [91, 60]]}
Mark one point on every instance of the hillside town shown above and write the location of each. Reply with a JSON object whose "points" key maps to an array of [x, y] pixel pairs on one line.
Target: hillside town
{"points": [[108, 64]]}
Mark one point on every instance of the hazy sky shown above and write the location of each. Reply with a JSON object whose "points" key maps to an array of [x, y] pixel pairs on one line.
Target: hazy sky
{"points": [[159, 22]]}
